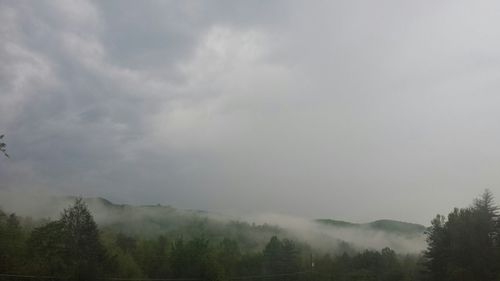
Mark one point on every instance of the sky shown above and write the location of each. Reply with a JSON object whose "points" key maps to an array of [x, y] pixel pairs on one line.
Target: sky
{"points": [[354, 110]]}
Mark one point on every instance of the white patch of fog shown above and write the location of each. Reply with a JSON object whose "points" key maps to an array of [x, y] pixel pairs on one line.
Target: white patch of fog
{"points": [[321, 236], [141, 220]]}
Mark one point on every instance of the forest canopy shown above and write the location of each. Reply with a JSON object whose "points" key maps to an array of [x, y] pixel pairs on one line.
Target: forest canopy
{"points": [[462, 246]]}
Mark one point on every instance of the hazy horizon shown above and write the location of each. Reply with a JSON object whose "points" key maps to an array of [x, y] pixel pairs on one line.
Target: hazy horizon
{"points": [[352, 110], [39, 205]]}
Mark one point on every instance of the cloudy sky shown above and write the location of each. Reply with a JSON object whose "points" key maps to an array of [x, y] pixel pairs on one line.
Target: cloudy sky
{"points": [[355, 110]]}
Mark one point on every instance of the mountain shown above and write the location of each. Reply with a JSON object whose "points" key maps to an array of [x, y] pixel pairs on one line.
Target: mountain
{"points": [[99, 204], [253, 233], [389, 226]]}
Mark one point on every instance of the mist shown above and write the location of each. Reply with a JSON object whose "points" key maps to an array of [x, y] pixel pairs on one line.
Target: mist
{"points": [[233, 140], [328, 238], [153, 220]]}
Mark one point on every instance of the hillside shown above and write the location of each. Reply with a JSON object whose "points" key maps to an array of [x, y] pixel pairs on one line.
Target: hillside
{"points": [[323, 234], [161, 212], [389, 226]]}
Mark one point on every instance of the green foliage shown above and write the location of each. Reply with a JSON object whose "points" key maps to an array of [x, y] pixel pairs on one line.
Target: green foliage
{"points": [[12, 241], [121, 259], [69, 247], [461, 246], [228, 254], [464, 246], [280, 256], [195, 259], [368, 265], [397, 227], [338, 223], [389, 226], [47, 250], [72, 248]]}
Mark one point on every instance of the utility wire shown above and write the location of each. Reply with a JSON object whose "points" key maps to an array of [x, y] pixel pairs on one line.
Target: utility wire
{"points": [[268, 275], [150, 279], [106, 278], [160, 279], [28, 276]]}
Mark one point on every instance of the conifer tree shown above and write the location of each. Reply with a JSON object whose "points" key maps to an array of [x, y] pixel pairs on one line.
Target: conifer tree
{"points": [[85, 254], [69, 247], [464, 247]]}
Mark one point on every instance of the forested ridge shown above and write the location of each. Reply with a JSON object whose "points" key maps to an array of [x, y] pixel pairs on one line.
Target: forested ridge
{"points": [[461, 246]]}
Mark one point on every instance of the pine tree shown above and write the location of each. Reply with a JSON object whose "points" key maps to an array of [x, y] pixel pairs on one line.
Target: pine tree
{"points": [[69, 247], [280, 256], [437, 250], [11, 243], [464, 247], [85, 254]]}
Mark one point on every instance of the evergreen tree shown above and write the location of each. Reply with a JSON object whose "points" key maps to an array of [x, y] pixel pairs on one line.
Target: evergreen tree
{"points": [[12, 241], [159, 266], [280, 256], [228, 255], [272, 257], [463, 247], [195, 259], [437, 249], [70, 247], [85, 254], [47, 251]]}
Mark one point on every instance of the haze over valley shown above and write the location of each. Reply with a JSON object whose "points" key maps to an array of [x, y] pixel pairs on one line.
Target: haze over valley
{"points": [[264, 140]]}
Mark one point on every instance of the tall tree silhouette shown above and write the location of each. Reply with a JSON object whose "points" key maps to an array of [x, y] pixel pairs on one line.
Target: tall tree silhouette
{"points": [[464, 247], [70, 247]]}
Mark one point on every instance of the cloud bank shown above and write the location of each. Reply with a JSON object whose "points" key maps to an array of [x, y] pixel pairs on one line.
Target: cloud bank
{"points": [[344, 109]]}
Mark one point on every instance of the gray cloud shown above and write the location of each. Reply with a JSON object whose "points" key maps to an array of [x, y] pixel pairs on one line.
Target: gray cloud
{"points": [[346, 109]]}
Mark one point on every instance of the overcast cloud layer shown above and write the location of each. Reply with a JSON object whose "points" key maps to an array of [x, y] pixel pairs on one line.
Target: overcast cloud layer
{"points": [[356, 110]]}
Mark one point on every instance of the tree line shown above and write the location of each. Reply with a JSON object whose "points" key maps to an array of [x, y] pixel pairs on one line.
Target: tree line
{"points": [[465, 245], [462, 246]]}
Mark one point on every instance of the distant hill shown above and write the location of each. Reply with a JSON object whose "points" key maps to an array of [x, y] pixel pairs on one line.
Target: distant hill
{"points": [[337, 223], [389, 226], [253, 233], [385, 225]]}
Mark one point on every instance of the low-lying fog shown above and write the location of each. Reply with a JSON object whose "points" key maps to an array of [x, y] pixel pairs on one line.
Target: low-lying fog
{"points": [[156, 219]]}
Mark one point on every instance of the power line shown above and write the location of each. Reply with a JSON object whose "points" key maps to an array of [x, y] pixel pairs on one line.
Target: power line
{"points": [[29, 276], [105, 278], [160, 279], [268, 275], [150, 279]]}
